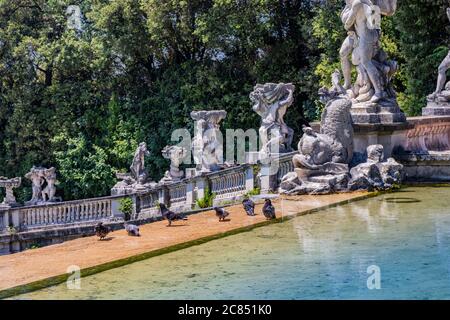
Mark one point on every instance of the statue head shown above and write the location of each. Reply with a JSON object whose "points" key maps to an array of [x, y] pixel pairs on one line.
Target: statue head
{"points": [[142, 148], [375, 153], [269, 93], [50, 174], [308, 131]]}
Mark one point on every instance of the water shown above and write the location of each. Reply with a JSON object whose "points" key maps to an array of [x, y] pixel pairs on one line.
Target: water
{"points": [[319, 256]]}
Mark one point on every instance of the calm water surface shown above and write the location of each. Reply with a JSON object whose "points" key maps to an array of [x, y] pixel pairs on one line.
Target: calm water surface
{"points": [[319, 256]]}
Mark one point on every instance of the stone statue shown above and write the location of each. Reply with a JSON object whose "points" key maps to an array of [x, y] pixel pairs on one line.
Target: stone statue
{"points": [[40, 176], [9, 185], [208, 143], [374, 173], [322, 163], [373, 97], [137, 180], [175, 154], [137, 168], [48, 194], [270, 101], [439, 100]]}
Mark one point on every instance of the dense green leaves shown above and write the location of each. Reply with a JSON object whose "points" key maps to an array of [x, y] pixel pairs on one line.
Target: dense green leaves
{"points": [[81, 100]]}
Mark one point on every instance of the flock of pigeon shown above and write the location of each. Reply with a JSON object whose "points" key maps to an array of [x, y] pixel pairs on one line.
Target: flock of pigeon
{"points": [[249, 206]]}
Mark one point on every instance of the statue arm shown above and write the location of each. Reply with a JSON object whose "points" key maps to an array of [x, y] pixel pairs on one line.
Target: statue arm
{"points": [[259, 109], [289, 98], [387, 7], [349, 18], [448, 13]]}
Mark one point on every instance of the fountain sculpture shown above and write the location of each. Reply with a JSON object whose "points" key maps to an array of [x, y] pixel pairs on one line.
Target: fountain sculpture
{"points": [[322, 165], [175, 154], [207, 145], [270, 102], [439, 101], [9, 185], [373, 98], [43, 184], [137, 180]]}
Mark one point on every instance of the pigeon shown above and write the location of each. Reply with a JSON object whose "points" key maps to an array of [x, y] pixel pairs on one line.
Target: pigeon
{"points": [[221, 213], [132, 230], [170, 215], [269, 210], [249, 207], [101, 231]]}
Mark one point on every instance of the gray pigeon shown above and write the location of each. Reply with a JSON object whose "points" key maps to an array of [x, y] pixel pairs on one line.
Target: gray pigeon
{"points": [[249, 207], [221, 213], [132, 230], [269, 210], [101, 231], [170, 215]]}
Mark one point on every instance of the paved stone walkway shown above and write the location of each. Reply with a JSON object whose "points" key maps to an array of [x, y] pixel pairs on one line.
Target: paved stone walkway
{"points": [[43, 263]]}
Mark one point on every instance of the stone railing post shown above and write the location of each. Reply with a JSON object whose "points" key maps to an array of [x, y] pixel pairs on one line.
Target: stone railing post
{"points": [[4, 220], [15, 219], [201, 185], [163, 196], [115, 205], [268, 178], [249, 179], [190, 195]]}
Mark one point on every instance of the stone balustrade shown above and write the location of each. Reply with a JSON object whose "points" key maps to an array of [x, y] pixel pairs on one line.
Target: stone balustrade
{"points": [[227, 184], [231, 183], [177, 195], [60, 214], [145, 205], [285, 165]]}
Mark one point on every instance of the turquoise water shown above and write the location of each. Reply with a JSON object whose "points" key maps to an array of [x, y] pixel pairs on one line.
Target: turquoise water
{"points": [[319, 256]]}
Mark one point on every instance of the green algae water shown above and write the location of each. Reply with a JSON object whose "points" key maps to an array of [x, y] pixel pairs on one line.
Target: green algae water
{"points": [[325, 255]]}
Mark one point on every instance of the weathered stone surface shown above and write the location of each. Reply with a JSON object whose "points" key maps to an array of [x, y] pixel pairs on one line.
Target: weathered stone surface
{"points": [[9, 185], [137, 168], [374, 173], [40, 177], [439, 101], [137, 180], [270, 102], [373, 97], [207, 145], [322, 163], [175, 154]]}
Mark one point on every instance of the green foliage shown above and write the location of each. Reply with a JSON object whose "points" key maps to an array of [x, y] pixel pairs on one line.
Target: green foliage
{"points": [[126, 207], [422, 38], [82, 167], [254, 192], [207, 200]]}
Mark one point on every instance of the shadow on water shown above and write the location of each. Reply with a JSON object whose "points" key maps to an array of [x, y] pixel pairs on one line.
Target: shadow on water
{"points": [[401, 200]]}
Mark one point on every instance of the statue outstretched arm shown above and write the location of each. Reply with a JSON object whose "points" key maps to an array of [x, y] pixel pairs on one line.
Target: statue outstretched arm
{"points": [[289, 98], [387, 7]]}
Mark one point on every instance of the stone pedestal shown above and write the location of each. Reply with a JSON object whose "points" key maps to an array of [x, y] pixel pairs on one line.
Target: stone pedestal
{"points": [[377, 113], [436, 109]]}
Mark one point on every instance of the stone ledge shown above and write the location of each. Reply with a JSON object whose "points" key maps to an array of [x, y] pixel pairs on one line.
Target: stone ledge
{"points": [[410, 123]]}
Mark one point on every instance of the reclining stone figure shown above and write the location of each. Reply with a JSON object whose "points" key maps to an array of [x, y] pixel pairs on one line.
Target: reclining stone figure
{"points": [[376, 174]]}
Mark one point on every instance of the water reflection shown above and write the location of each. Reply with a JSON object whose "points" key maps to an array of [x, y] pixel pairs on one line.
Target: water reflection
{"points": [[318, 256]]}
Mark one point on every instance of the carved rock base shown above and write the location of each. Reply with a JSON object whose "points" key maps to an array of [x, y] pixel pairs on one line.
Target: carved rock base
{"points": [[436, 109], [384, 112]]}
